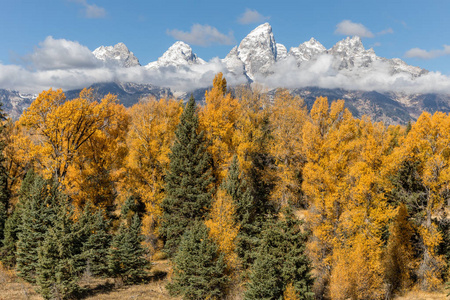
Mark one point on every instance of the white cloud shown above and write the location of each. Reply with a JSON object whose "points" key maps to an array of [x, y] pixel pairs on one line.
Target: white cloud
{"points": [[322, 73], [386, 31], [203, 35], [91, 11], [67, 65], [347, 27], [61, 54], [252, 16], [424, 54]]}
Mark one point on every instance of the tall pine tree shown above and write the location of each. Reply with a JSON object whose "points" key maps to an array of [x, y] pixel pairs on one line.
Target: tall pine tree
{"points": [[199, 269], [126, 258], [280, 261], [187, 183], [60, 262], [13, 223], [37, 217]]}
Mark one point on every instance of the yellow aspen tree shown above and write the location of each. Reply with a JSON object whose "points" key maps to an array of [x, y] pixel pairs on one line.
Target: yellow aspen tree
{"points": [[223, 228], [252, 127], [287, 119], [62, 133], [96, 170], [428, 145], [218, 120], [150, 136], [326, 146]]}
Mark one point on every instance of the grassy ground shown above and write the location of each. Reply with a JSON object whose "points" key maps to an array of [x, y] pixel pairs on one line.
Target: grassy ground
{"points": [[14, 288]]}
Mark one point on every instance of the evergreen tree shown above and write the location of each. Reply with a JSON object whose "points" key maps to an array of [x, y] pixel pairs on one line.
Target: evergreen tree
{"points": [[96, 247], [199, 268], [251, 197], [126, 260], [281, 260], [38, 215], [188, 180], [13, 223], [59, 265]]}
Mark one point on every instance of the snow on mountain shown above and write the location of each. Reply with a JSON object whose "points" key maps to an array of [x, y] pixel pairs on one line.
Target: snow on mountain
{"points": [[117, 55], [258, 50], [281, 52], [179, 54], [307, 51]]}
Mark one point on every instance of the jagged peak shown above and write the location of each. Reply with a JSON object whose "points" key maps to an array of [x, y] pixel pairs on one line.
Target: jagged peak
{"points": [[117, 54], [353, 43]]}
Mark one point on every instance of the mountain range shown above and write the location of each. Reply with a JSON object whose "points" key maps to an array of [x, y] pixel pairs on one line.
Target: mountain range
{"points": [[260, 59]]}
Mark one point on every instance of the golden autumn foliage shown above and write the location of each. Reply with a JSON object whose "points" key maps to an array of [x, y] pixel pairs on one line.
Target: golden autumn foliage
{"points": [[76, 142], [290, 293], [218, 120], [223, 228], [150, 136], [366, 242], [287, 120]]}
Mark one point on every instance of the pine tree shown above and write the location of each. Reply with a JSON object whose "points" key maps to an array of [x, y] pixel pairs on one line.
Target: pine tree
{"points": [[281, 260], [38, 215], [187, 183], [13, 223], [126, 261], [59, 265], [96, 247], [199, 268]]}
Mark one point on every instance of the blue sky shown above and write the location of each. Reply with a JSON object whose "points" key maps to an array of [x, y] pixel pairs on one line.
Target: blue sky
{"points": [[35, 34], [144, 26]]}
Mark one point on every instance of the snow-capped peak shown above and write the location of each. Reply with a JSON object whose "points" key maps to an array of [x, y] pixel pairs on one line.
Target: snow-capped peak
{"points": [[179, 54], [307, 51], [258, 50], [117, 55], [348, 45]]}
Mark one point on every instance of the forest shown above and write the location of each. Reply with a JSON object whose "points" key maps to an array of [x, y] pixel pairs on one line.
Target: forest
{"points": [[248, 196]]}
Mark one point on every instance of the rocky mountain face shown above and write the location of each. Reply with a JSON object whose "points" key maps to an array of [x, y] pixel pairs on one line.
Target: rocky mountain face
{"points": [[14, 102], [117, 55], [256, 57]]}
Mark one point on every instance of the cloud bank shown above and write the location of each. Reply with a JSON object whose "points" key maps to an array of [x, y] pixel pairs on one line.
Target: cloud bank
{"points": [[424, 54], [251, 16], [347, 27], [58, 63], [203, 35]]}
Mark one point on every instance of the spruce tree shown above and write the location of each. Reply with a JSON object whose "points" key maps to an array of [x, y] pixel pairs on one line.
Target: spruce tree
{"points": [[126, 258], [38, 215], [188, 180], [59, 265], [251, 197], [96, 246], [13, 223], [199, 268], [280, 260]]}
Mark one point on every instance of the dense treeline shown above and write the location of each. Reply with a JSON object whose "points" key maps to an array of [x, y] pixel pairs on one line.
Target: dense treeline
{"points": [[250, 198]]}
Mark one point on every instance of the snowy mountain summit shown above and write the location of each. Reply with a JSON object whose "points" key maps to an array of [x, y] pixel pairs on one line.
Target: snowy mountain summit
{"points": [[257, 55], [117, 55], [179, 54]]}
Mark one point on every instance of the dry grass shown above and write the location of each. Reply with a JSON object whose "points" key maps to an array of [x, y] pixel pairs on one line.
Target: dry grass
{"points": [[13, 288], [421, 295]]}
